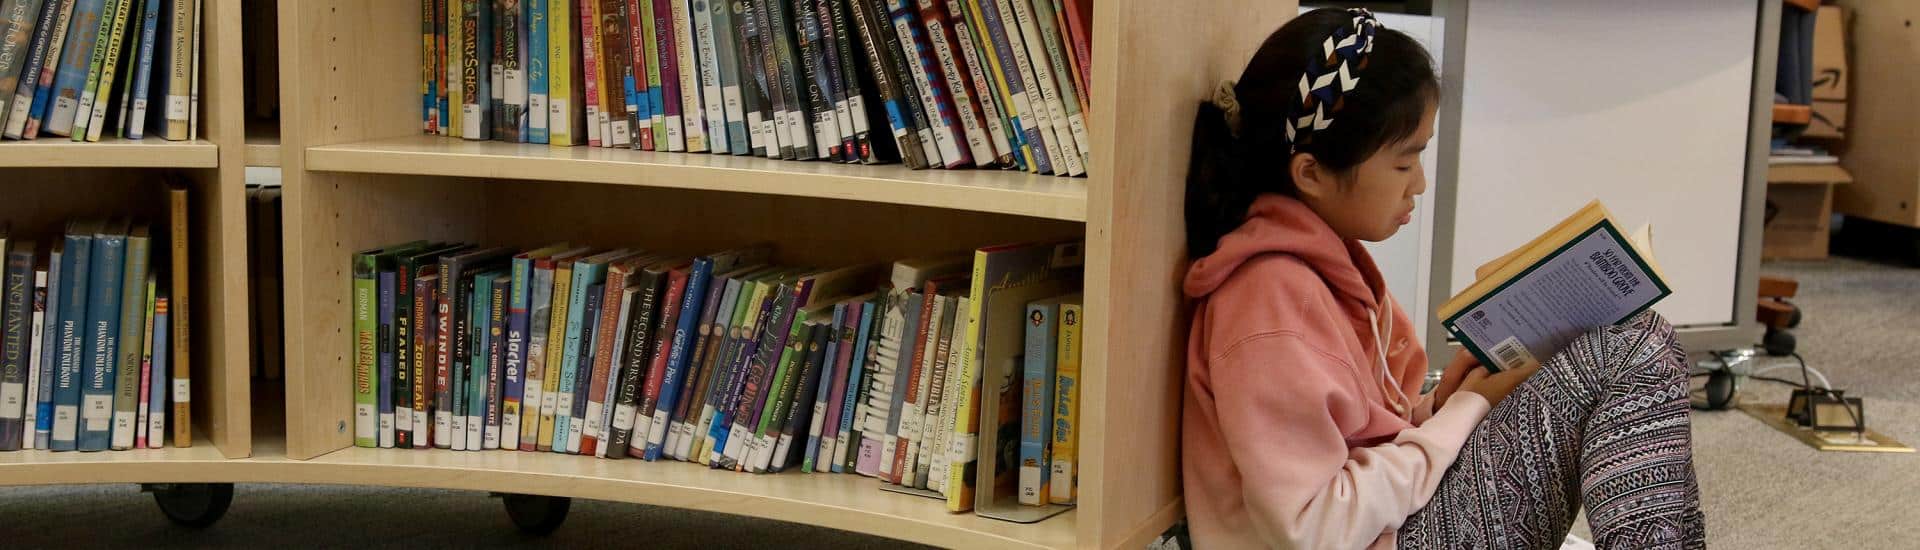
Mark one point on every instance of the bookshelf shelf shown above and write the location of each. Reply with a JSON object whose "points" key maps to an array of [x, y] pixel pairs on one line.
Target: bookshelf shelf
{"points": [[994, 191], [263, 144], [152, 152], [41, 467]]}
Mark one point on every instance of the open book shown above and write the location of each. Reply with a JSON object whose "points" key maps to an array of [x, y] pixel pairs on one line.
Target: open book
{"points": [[1580, 275]]}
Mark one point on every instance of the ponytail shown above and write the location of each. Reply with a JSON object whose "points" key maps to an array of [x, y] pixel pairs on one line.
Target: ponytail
{"points": [[1218, 195]]}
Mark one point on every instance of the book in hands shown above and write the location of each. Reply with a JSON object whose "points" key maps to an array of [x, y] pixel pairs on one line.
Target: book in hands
{"points": [[1581, 275]]}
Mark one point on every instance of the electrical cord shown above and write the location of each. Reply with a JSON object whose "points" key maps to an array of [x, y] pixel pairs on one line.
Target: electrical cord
{"points": [[1807, 384]]}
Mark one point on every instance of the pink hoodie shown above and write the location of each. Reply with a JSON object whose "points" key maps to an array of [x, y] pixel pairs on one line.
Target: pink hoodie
{"points": [[1298, 432]]}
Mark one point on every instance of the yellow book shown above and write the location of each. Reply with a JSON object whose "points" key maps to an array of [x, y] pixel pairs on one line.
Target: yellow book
{"points": [[562, 126], [1066, 406], [556, 334], [456, 64], [1580, 275]]}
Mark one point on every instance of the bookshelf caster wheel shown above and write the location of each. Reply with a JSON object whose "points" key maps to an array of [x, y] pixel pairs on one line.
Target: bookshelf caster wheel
{"points": [[195, 505], [536, 514]]}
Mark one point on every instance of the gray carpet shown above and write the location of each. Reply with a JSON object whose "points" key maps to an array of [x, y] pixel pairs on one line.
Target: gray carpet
{"points": [[1762, 489]]}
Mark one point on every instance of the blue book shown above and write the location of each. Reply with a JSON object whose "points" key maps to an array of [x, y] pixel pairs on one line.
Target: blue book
{"points": [[519, 298], [496, 358], [136, 118], [723, 418], [75, 273], [15, 115], [49, 352], [479, 367], [726, 57], [384, 338], [157, 387], [583, 377], [1005, 35], [102, 345], [536, 65], [1036, 399], [823, 390], [849, 436], [76, 60], [678, 355], [586, 272]]}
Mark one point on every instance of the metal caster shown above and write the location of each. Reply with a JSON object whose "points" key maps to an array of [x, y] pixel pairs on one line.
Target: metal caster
{"points": [[536, 515], [195, 505]]}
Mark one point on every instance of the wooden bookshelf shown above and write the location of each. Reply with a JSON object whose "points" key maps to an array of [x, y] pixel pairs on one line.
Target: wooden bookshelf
{"points": [[46, 182], [358, 174], [112, 152], [263, 143]]}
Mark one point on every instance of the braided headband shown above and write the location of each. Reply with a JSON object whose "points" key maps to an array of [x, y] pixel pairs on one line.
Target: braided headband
{"points": [[1324, 83]]}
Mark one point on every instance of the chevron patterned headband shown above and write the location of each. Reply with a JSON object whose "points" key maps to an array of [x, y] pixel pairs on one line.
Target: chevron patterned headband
{"points": [[1330, 76]]}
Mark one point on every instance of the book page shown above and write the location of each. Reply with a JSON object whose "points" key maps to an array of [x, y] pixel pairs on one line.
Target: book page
{"points": [[1595, 281]]}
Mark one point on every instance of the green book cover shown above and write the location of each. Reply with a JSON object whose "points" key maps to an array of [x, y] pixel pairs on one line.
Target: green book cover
{"points": [[133, 308], [116, 40], [780, 392], [659, 113], [366, 427]]}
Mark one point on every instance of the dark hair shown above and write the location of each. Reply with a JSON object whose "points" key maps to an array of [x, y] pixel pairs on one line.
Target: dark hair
{"points": [[1227, 172]]}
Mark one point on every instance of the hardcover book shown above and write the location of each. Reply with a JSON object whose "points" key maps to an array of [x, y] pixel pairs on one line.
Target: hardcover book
{"points": [[76, 263], [76, 57], [102, 346], [37, 72], [130, 342], [16, 330]]}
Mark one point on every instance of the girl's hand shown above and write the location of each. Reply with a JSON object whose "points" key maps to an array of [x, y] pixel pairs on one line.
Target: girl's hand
{"points": [[1456, 373], [1496, 387]]}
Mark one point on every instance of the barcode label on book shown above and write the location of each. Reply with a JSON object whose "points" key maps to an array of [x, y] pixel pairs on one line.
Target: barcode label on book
{"points": [[182, 390], [537, 104], [11, 395], [176, 107], [1511, 354], [65, 419], [593, 420], [960, 448], [623, 417], [516, 88], [97, 407]]}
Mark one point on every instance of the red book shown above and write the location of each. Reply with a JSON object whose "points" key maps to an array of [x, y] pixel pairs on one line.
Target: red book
{"points": [[425, 307], [637, 46], [663, 342], [1079, 16], [590, 63]]}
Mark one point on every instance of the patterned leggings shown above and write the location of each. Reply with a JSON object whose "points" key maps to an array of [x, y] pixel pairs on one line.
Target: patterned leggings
{"points": [[1604, 422]]}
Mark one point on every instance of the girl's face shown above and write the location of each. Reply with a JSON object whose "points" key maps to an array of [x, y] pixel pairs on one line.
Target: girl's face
{"points": [[1376, 198]]}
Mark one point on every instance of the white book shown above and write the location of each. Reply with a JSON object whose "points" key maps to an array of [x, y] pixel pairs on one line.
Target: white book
{"points": [[944, 422], [1036, 64], [30, 409], [713, 99], [1031, 103], [193, 88]]}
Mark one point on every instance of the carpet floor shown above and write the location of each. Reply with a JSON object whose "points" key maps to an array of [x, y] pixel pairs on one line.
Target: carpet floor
{"points": [[1761, 488]]}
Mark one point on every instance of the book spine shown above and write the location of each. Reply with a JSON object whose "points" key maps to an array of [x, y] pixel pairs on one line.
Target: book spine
{"points": [[112, 12], [944, 425], [560, 71], [779, 397], [852, 401], [614, 82], [1065, 432], [448, 291], [1069, 92], [179, 74], [180, 327], [96, 111], [961, 450], [516, 353], [142, 79], [593, 72], [102, 344], [934, 395], [637, 359], [1036, 407], [18, 21], [1013, 86], [678, 285], [609, 394], [607, 331], [145, 397], [404, 334], [556, 358], [906, 110], [825, 405], [1079, 17], [71, 75], [38, 381], [472, 72], [366, 426], [833, 426], [455, 16], [708, 37], [927, 78], [192, 122], [570, 357], [46, 86], [688, 70], [666, 42], [654, 18], [513, 44], [766, 74], [19, 109], [745, 345], [713, 414], [972, 55], [496, 43], [538, 53], [384, 301], [1043, 71], [952, 67], [706, 351], [75, 276], [1019, 44], [425, 315], [755, 103], [589, 332], [15, 331], [127, 64], [459, 377], [913, 425], [157, 406], [906, 417], [496, 361], [429, 108], [890, 383], [726, 68], [470, 373], [754, 378], [539, 318], [48, 357], [816, 90], [788, 73], [126, 371], [679, 355], [800, 410]]}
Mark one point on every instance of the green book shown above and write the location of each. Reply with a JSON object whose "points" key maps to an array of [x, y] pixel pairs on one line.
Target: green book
{"points": [[779, 393], [116, 40], [366, 402], [133, 310], [91, 96]]}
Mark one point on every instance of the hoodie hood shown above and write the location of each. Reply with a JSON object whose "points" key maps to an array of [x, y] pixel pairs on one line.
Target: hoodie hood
{"points": [[1278, 224]]}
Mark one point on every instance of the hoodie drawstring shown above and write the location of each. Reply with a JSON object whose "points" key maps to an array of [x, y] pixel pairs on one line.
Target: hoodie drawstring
{"points": [[1382, 334]]}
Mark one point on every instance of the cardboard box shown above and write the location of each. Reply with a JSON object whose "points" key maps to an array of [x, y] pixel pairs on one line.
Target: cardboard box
{"points": [[1828, 120], [1830, 75], [1800, 208]]}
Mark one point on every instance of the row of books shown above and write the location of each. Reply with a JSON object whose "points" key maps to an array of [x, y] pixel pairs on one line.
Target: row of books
{"points": [[90, 68], [727, 360], [989, 83], [94, 328]]}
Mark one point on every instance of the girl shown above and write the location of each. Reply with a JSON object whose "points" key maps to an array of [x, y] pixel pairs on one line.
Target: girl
{"points": [[1304, 425]]}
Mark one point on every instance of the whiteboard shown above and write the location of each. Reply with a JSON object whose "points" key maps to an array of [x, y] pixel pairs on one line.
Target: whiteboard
{"points": [[1640, 103]]}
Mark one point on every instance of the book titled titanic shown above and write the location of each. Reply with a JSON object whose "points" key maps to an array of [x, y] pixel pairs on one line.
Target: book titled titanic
{"points": [[1581, 275]]}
